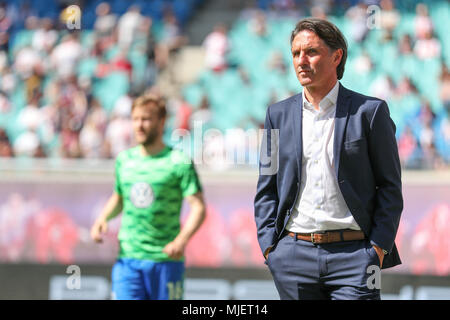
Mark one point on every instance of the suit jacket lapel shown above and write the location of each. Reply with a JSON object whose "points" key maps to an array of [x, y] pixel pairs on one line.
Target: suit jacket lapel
{"points": [[297, 125], [342, 113]]}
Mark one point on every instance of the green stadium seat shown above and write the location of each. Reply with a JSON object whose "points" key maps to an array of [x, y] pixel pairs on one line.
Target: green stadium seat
{"points": [[109, 89], [87, 66]]}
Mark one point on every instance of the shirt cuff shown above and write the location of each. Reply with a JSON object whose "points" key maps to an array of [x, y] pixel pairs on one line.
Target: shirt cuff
{"points": [[374, 244]]}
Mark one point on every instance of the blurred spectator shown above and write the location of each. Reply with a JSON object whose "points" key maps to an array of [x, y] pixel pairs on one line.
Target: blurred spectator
{"points": [[66, 55], [6, 149], [258, 25], [216, 46], [92, 134], [431, 159], [173, 36], [33, 84], [30, 117], [91, 139], [150, 52], [426, 117], [407, 145], [40, 152], [127, 26], [283, 9], [39, 65], [318, 12], [203, 114], [21, 15], [405, 45], [444, 131], [363, 63], [389, 16], [5, 28], [275, 63], [325, 6], [49, 130], [121, 63], [4, 63], [182, 111], [422, 22], [444, 91], [383, 87], [98, 115], [72, 100], [25, 61], [69, 140], [405, 87], [250, 10], [123, 105], [26, 144], [428, 47], [358, 16], [45, 37], [8, 81], [118, 135], [172, 39], [105, 21], [71, 109], [5, 104]]}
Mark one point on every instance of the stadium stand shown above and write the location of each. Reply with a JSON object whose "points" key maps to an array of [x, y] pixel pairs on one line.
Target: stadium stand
{"points": [[66, 93], [402, 58]]}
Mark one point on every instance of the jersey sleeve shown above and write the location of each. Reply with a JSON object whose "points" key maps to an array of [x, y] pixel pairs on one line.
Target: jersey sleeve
{"points": [[189, 180], [117, 185]]}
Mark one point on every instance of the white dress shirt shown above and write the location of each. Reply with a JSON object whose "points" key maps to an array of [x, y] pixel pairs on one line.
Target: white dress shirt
{"points": [[320, 205]]}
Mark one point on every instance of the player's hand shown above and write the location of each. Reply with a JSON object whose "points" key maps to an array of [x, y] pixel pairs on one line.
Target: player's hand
{"points": [[174, 249], [98, 229]]}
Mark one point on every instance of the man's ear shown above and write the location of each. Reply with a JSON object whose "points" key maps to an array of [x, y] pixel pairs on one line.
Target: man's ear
{"points": [[162, 124], [338, 56]]}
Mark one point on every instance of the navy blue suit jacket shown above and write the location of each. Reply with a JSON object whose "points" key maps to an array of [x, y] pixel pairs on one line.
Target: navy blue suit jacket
{"points": [[366, 162]]}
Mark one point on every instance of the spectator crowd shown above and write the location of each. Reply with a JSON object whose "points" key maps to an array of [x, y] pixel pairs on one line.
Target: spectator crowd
{"points": [[68, 93]]}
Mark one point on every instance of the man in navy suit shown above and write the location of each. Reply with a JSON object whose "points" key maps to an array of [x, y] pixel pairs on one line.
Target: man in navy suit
{"points": [[329, 195]]}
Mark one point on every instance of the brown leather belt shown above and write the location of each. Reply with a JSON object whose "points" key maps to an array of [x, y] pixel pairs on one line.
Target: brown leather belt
{"points": [[329, 237]]}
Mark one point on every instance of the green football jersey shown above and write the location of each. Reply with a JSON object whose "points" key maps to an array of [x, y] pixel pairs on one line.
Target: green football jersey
{"points": [[152, 189]]}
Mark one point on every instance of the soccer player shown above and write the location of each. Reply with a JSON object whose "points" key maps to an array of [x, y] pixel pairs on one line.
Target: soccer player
{"points": [[152, 180]]}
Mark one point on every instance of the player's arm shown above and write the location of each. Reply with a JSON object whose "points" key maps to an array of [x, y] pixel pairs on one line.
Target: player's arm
{"points": [[197, 214], [112, 209]]}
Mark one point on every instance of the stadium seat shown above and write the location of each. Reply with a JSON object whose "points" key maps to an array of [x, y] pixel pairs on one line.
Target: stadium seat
{"points": [[109, 89], [87, 67]]}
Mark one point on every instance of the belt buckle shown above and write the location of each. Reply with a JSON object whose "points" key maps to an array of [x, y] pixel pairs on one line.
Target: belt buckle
{"points": [[313, 233]]}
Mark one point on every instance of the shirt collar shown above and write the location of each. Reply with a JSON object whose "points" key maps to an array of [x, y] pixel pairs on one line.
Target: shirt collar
{"points": [[328, 101]]}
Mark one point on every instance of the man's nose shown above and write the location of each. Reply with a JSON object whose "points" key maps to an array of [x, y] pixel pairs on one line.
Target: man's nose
{"points": [[302, 58], [138, 123]]}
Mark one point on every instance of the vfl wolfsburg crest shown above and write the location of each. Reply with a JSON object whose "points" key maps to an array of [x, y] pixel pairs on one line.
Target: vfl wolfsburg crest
{"points": [[141, 195]]}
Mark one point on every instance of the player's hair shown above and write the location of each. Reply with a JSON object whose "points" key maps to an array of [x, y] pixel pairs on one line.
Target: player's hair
{"points": [[153, 100], [329, 33]]}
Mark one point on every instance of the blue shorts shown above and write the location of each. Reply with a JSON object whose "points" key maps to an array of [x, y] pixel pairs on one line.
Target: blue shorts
{"points": [[134, 279]]}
